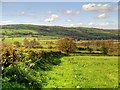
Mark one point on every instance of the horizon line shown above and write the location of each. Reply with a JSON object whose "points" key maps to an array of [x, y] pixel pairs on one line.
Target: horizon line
{"points": [[64, 26]]}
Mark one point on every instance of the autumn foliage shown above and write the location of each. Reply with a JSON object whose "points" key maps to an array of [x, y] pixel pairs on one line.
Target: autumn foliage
{"points": [[9, 54], [31, 44], [66, 45]]}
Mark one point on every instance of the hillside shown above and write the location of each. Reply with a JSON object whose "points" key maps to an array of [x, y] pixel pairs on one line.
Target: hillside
{"points": [[76, 32]]}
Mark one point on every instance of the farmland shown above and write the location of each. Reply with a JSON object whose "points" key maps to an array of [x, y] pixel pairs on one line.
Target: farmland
{"points": [[33, 58], [85, 72], [57, 31]]}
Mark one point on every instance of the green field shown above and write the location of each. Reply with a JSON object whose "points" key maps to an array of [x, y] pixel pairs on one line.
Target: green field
{"points": [[21, 39], [20, 31], [87, 66], [77, 32], [84, 72]]}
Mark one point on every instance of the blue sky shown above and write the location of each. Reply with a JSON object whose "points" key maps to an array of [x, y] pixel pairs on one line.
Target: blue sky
{"points": [[85, 14], [59, 0]]}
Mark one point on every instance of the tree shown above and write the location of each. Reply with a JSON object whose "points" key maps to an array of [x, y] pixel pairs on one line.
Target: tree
{"points": [[66, 45], [107, 47], [33, 43], [90, 49], [3, 38], [26, 43], [17, 43], [104, 50]]}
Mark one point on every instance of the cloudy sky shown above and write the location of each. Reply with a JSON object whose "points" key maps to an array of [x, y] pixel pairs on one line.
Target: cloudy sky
{"points": [[85, 14]]}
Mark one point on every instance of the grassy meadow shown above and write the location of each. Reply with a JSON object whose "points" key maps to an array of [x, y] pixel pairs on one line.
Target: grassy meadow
{"points": [[93, 63], [21, 39], [84, 72]]}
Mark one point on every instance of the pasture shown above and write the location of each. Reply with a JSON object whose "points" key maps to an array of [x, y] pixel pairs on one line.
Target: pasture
{"points": [[21, 39], [81, 69], [84, 72]]}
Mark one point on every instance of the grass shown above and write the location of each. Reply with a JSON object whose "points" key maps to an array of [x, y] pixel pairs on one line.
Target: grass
{"points": [[84, 72], [20, 31], [21, 39]]}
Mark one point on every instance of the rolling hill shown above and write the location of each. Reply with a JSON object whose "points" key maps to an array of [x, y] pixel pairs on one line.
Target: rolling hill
{"points": [[75, 32]]}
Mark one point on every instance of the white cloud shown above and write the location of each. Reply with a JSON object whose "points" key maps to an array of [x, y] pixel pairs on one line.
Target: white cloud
{"points": [[69, 20], [4, 22], [80, 24], [74, 25], [51, 18], [54, 16], [71, 12], [49, 12], [97, 7], [70, 25], [91, 24], [24, 14], [102, 16], [104, 25]]}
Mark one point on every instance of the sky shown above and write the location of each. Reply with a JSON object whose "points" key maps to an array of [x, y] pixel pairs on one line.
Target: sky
{"points": [[70, 14], [60, 0]]}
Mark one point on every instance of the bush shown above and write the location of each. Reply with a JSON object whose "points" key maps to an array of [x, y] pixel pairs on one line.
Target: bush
{"points": [[12, 85], [56, 62], [90, 49], [26, 43], [104, 50], [44, 60], [9, 54], [66, 45], [81, 48], [19, 73], [31, 44], [50, 47], [18, 44]]}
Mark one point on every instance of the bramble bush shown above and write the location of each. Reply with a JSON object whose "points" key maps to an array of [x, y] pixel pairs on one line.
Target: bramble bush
{"points": [[31, 44], [20, 67], [9, 54], [21, 74], [66, 45], [18, 44], [109, 47], [90, 49], [44, 60]]}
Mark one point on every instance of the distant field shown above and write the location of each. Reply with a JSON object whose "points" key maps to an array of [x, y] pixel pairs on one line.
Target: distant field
{"points": [[20, 31], [77, 32], [84, 72], [21, 39]]}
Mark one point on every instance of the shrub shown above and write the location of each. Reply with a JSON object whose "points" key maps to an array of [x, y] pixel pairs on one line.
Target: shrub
{"points": [[44, 60], [9, 54], [12, 85], [81, 48], [66, 45], [50, 47], [18, 44], [31, 44], [56, 62], [90, 49], [104, 50], [26, 43], [3, 38], [19, 73]]}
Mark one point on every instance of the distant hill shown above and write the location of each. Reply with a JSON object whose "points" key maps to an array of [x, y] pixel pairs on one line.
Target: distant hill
{"points": [[75, 32]]}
